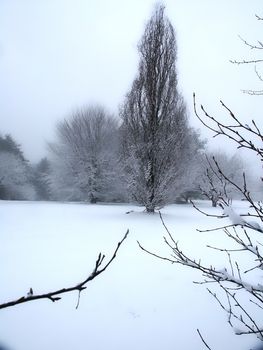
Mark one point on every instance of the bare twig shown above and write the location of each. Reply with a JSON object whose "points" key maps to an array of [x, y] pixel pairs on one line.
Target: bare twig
{"points": [[200, 335], [222, 216], [55, 295]]}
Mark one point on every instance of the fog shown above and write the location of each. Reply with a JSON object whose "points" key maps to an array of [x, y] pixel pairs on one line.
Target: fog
{"points": [[57, 55]]}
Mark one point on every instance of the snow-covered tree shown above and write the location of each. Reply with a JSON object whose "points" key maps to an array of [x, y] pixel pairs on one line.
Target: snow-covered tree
{"points": [[7, 144], [41, 179], [85, 157], [14, 178], [157, 142], [15, 172]]}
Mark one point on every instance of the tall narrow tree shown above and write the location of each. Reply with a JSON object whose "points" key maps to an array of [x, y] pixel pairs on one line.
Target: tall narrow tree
{"points": [[156, 139]]}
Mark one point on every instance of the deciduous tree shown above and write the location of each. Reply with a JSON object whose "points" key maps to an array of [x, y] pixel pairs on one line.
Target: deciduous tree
{"points": [[85, 156], [157, 142]]}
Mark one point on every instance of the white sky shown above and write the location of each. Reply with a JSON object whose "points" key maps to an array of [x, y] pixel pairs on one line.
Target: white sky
{"points": [[58, 55]]}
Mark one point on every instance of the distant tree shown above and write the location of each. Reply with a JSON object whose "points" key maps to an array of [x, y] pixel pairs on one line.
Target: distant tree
{"points": [[189, 195], [189, 184], [85, 156], [15, 171], [215, 167], [41, 179], [14, 178], [157, 142], [7, 144]]}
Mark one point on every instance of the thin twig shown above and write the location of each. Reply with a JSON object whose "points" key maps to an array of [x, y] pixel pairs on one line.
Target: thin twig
{"points": [[200, 335], [55, 295]]}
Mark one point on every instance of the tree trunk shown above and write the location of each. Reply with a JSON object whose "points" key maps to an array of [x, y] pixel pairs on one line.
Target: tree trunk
{"points": [[149, 209], [93, 199], [214, 202]]}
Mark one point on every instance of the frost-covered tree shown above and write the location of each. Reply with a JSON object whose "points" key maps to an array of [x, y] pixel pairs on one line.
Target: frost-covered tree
{"points": [[41, 179], [15, 172], [157, 142], [15, 181], [7, 144], [85, 157]]}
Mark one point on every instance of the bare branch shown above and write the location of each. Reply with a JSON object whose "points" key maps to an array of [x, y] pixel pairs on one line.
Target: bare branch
{"points": [[155, 255], [55, 295], [245, 61], [200, 335], [252, 46], [253, 92], [206, 214]]}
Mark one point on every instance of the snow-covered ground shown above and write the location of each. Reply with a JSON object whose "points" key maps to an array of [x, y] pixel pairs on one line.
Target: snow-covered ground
{"points": [[139, 303]]}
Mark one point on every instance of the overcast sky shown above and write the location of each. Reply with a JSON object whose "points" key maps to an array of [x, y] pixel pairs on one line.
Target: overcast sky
{"points": [[58, 55]]}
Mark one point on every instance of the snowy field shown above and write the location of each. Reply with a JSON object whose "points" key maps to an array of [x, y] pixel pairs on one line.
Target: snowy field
{"points": [[139, 303]]}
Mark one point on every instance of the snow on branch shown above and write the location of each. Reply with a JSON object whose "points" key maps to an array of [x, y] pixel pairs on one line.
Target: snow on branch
{"points": [[230, 279]]}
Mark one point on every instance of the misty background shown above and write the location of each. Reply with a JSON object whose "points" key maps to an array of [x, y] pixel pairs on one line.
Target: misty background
{"points": [[57, 56]]}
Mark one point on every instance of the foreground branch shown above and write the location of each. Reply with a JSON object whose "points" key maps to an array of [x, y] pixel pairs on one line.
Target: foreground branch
{"points": [[200, 335], [55, 295], [234, 131], [229, 279]]}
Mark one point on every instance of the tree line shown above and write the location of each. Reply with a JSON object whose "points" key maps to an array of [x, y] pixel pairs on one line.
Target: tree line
{"points": [[148, 154]]}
